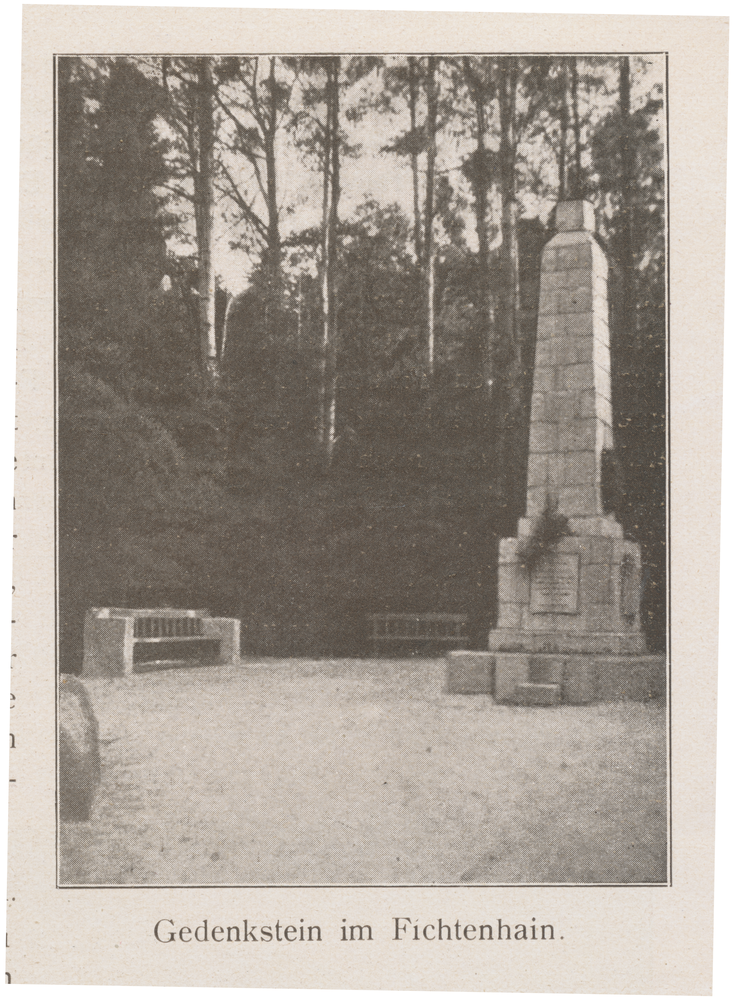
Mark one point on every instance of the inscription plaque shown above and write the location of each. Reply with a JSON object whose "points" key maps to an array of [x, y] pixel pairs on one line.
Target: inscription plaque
{"points": [[555, 585]]}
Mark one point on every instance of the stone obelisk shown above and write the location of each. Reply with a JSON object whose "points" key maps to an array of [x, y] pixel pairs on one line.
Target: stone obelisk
{"points": [[568, 609]]}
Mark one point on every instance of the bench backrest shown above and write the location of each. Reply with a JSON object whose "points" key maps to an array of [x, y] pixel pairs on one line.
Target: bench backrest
{"points": [[148, 613], [158, 623]]}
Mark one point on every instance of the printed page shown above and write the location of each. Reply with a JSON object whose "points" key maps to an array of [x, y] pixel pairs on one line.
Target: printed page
{"points": [[367, 500]]}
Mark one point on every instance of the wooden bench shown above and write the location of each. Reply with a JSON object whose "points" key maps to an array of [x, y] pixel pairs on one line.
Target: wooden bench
{"points": [[448, 630], [119, 640]]}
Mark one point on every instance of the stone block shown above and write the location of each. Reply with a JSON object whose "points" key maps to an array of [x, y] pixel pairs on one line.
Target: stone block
{"points": [[598, 549], [581, 467], [551, 326], [509, 614], [565, 642], [555, 407], [575, 276], [513, 586], [542, 437], [537, 695], [596, 583], [547, 327], [602, 382], [227, 630], [630, 678], [603, 527], [469, 672], [582, 325], [624, 547], [535, 500], [108, 647], [573, 216], [511, 669], [577, 435], [580, 501], [576, 378], [585, 404], [565, 350], [538, 470], [538, 409], [567, 300], [508, 550], [547, 355], [556, 463], [602, 617], [546, 621], [578, 681], [600, 354], [579, 350], [547, 669], [544, 378], [604, 433], [561, 255]]}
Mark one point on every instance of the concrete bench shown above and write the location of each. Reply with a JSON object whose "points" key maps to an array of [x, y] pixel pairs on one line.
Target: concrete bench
{"points": [[403, 628], [122, 641]]}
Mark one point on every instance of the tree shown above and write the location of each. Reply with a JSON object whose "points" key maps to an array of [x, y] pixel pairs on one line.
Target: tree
{"points": [[189, 85], [204, 214], [113, 225], [509, 364], [328, 384], [479, 169], [429, 259], [257, 106]]}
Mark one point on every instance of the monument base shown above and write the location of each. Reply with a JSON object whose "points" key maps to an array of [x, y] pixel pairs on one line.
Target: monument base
{"points": [[508, 640], [550, 678]]}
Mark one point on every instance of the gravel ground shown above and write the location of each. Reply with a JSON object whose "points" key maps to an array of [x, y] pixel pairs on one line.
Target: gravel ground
{"points": [[305, 772]]}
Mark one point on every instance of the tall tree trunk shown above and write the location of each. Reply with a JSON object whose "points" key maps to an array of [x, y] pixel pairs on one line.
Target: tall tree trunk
{"points": [[480, 348], [576, 185], [512, 424], [204, 214], [431, 116], [412, 102], [563, 132], [326, 429], [627, 187], [273, 248]]}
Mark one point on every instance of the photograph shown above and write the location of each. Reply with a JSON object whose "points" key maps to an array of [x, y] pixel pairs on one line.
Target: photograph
{"points": [[361, 411]]}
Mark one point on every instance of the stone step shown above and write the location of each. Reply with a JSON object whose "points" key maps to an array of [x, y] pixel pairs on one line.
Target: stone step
{"points": [[537, 694]]}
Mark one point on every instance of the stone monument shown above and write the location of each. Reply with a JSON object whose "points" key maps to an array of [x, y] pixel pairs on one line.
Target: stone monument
{"points": [[568, 609]]}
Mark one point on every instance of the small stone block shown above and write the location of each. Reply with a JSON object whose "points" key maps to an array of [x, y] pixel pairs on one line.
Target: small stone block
{"points": [[511, 669], [537, 694], [579, 680], [547, 669], [572, 216], [576, 377], [562, 256], [512, 583], [469, 672], [543, 438], [630, 678], [508, 550], [510, 615]]}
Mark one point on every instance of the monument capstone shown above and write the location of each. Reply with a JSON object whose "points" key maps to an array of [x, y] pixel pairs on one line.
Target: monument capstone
{"points": [[568, 624]]}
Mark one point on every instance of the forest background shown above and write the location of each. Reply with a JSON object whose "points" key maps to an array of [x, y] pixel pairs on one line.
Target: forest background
{"points": [[296, 327]]}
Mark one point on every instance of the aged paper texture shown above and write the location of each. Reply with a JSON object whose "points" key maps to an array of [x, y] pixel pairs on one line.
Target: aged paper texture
{"points": [[367, 500]]}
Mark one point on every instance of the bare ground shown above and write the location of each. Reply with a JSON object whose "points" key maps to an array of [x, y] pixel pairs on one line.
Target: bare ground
{"points": [[305, 772]]}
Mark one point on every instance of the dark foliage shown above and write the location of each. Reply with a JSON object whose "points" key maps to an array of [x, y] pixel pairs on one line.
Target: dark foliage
{"points": [[547, 529]]}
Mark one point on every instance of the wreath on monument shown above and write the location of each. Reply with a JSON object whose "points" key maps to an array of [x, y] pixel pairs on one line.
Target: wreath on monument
{"points": [[548, 528]]}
